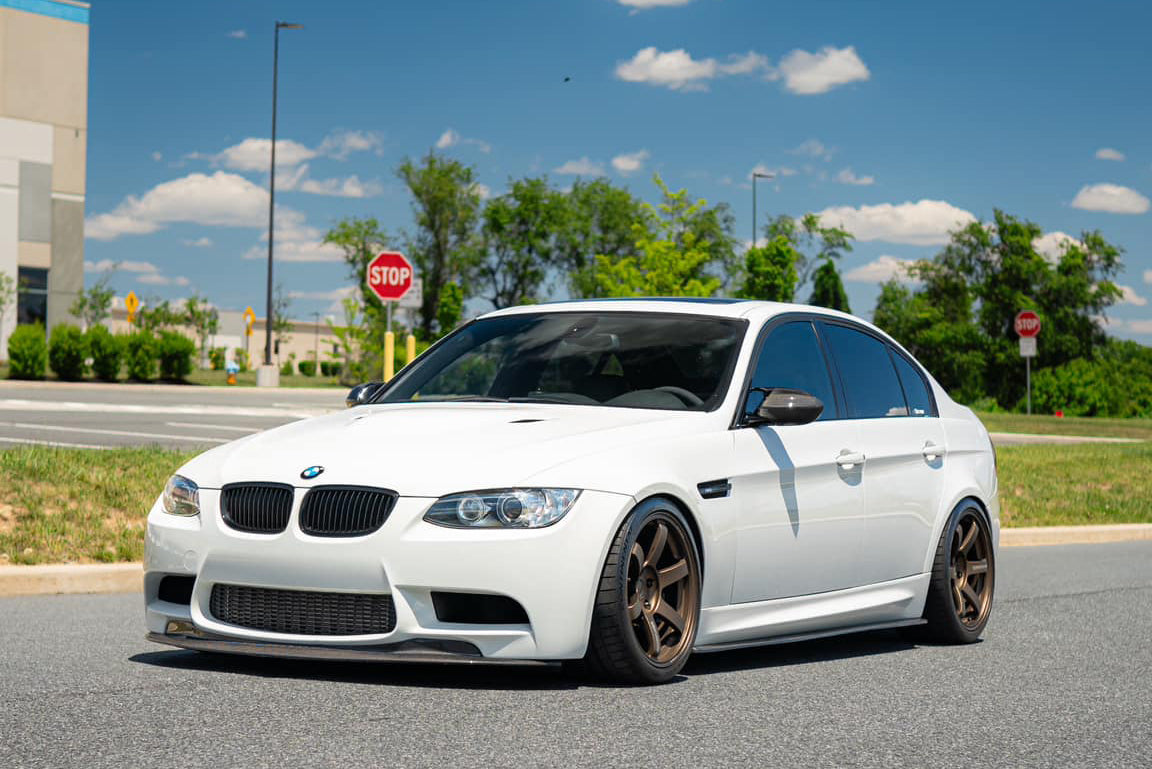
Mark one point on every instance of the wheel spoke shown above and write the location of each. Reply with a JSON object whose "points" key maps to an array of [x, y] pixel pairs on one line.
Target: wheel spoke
{"points": [[977, 567], [673, 574], [958, 597], [658, 542], [973, 599], [651, 634], [637, 554], [669, 613], [635, 607], [970, 537]]}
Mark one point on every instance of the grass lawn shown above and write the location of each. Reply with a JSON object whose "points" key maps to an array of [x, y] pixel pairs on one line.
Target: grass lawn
{"points": [[1048, 425], [218, 378], [80, 505]]}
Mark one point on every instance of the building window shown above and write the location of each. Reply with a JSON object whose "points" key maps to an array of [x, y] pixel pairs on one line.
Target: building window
{"points": [[32, 301]]}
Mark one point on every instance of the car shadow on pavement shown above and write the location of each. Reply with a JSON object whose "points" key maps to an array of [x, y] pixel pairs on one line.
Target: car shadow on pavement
{"points": [[524, 677]]}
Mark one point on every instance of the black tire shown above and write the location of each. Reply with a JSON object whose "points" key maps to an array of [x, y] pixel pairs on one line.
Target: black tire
{"points": [[957, 615], [615, 651]]}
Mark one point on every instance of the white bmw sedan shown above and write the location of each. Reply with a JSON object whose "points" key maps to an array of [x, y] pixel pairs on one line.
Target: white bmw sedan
{"points": [[613, 483]]}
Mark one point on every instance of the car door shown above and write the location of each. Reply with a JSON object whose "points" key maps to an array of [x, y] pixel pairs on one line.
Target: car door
{"points": [[903, 445], [798, 487]]}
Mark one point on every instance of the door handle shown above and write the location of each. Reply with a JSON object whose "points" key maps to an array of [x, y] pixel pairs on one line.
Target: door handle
{"points": [[849, 459], [932, 451]]}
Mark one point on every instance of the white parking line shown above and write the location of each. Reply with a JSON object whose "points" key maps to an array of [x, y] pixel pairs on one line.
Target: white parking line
{"points": [[20, 404], [55, 444], [215, 427], [126, 433]]}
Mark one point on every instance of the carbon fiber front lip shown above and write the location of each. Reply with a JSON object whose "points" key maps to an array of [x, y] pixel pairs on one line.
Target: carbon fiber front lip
{"points": [[404, 652]]}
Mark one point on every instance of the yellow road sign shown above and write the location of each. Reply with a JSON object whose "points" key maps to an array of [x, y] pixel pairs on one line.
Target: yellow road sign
{"points": [[249, 320], [131, 304]]}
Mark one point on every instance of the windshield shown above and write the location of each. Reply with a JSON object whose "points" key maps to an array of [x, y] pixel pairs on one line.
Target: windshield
{"points": [[629, 360]]}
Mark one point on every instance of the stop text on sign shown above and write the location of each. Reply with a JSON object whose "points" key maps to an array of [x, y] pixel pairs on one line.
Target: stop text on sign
{"points": [[1027, 324], [389, 276]]}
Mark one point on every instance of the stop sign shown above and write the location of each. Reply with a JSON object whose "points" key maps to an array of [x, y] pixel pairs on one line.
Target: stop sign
{"points": [[1028, 324], [390, 276]]}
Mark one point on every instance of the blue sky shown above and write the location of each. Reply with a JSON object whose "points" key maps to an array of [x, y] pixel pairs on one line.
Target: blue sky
{"points": [[898, 119]]}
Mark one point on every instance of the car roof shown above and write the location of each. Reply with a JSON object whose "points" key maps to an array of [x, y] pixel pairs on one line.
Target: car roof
{"points": [[752, 310]]}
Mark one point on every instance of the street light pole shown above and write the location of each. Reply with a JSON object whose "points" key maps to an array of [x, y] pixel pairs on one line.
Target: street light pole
{"points": [[756, 176], [268, 320]]}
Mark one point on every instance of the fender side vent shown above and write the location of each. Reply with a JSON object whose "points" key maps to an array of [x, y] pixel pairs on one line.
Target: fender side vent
{"points": [[714, 489]]}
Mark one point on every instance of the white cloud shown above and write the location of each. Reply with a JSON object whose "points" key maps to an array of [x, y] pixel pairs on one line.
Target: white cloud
{"points": [[219, 200], [348, 187], [1148, 277], [1111, 198], [483, 190], [157, 155], [107, 265], [923, 223], [1051, 245], [645, 4], [630, 162], [238, 34], [813, 148], [1140, 326], [156, 279], [1107, 153], [1128, 295], [254, 153], [813, 73], [880, 270], [338, 145], [452, 137], [764, 170], [296, 241], [204, 242], [582, 167], [680, 72], [322, 296], [847, 176]]}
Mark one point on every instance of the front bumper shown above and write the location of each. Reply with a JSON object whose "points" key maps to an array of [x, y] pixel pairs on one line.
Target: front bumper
{"points": [[552, 572]]}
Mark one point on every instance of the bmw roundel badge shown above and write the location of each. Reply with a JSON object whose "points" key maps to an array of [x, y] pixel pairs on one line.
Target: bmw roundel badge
{"points": [[311, 472]]}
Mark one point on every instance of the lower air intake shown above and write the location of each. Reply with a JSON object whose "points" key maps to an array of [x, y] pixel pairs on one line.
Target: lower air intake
{"points": [[300, 612]]}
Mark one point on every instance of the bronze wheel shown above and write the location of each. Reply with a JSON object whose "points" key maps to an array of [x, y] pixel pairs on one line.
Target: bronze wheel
{"points": [[963, 578], [971, 549], [661, 590], [648, 604]]}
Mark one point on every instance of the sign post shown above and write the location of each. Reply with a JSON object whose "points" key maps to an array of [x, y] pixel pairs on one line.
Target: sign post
{"points": [[390, 278], [1028, 328]]}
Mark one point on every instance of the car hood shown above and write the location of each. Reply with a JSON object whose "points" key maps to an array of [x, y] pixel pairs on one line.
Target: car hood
{"points": [[432, 449]]}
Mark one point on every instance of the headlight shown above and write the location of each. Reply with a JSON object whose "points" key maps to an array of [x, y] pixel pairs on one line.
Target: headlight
{"points": [[503, 508], [181, 496]]}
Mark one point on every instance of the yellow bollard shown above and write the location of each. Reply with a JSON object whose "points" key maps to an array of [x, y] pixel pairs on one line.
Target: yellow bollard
{"points": [[410, 348], [389, 355]]}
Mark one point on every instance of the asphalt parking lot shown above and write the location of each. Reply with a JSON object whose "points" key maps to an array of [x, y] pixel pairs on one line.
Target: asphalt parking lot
{"points": [[1062, 679], [102, 416]]}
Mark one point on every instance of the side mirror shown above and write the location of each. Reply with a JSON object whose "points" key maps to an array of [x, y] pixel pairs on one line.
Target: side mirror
{"points": [[782, 406], [361, 394]]}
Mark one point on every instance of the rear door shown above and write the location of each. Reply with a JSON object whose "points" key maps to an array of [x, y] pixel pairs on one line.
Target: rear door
{"points": [[902, 441], [801, 505]]}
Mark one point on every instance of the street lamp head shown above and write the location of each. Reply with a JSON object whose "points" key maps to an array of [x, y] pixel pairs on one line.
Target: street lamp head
{"points": [[758, 175], [288, 25]]}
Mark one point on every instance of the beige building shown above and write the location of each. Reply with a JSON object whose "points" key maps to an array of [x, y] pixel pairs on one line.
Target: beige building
{"points": [[43, 145]]}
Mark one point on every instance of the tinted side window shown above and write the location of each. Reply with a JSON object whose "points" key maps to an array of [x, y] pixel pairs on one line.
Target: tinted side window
{"points": [[915, 389], [870, 382], [791, 357]]}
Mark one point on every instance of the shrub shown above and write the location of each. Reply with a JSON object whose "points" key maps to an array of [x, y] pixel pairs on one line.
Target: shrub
{"points": [[67, 352], [141, 356], [107, 351], [27, 353], [241, 358], [288, 366], [175, 352], [1118, 384], [307, 367], [218, 356], [325, 368], [336, 368]]}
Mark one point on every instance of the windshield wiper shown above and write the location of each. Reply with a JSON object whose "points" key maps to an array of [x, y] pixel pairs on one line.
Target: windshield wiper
{"points": [[473, 398]]}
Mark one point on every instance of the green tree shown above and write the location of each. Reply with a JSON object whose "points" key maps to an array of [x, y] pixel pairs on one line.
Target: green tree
{"points": [[521, 232], [204, 319], [600, 220], [828, 289], [813, 242], [157, 315], [446, 209], [672, 259], [770, 271], [451, 307], [281, 322], [94, 303]]}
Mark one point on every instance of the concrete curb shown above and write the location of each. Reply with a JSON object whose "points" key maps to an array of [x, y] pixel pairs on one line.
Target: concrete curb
{"points": [[71, 578], [1032, 536], [128, 577]]}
